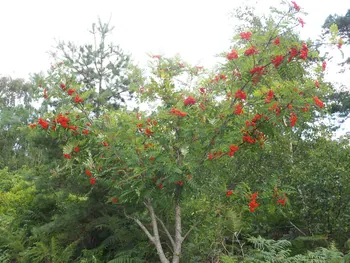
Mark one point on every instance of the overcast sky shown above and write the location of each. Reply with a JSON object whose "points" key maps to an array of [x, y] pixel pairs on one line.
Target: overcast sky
{"points": [[195, 29]]}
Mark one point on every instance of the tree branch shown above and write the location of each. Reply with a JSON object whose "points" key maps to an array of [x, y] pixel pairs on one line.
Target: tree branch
{"points": [[141, 226], [189, 231], [166, 231], [157, 242], [297, 228]]}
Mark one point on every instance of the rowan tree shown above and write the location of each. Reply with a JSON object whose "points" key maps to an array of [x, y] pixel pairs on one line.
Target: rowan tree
{"points": [[270, 82]]}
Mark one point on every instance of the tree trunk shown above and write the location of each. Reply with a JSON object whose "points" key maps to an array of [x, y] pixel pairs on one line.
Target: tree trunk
{"points": [[178, 236], [156, 238], [176, 242]]}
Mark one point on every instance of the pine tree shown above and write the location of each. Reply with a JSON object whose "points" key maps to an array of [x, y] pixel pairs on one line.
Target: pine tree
{"points": [[100, 67]]}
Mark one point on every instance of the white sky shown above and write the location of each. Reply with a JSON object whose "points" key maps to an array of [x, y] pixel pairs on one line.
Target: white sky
{"points": [[195, 29]]}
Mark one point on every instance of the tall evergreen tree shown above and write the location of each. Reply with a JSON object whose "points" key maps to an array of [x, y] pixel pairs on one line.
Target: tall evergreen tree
{"points": [[100, 67], [343, 23], [340, 99]]}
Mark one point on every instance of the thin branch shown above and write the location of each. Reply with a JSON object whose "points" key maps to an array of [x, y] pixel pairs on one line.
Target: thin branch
{"points": [[190, 230], [223, 245], [141, 226], [82, 108], [297, 228], [166, 231], [239, 243], [167, 244]]}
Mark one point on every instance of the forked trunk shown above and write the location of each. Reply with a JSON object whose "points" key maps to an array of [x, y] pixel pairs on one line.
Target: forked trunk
{"points": [[175, 241]]}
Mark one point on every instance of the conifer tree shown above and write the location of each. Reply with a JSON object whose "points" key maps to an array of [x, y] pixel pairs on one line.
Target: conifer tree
{"points": [[100, 67]]}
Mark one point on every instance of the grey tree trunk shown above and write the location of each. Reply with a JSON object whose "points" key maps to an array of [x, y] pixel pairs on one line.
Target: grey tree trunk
{"points": [[178, 236], [176, 241]]}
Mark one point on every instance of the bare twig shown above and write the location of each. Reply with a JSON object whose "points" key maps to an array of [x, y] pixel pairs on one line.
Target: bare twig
{"points": [[190, 230], [239, 242], [166, 231], [297, 228]]}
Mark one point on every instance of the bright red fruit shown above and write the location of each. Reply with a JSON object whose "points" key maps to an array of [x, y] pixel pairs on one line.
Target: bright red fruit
{"points": [[232, 55], [241, 95], [253, 204], [304, 52], [70, 92], [61, 119], [318, 102], [277, 60], [77, 99], [258, 70], [281, 200], [251, 51], [148, 132], [292, 53], [87, 172], [92, 180], [249, 139], [293, 119], [246, 35], [239, 109], [233, 149], [296, 7], [177, 112], [43, 123], [269, 97], [189, 101], [73, 128], [229, 193]]}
